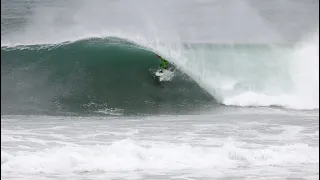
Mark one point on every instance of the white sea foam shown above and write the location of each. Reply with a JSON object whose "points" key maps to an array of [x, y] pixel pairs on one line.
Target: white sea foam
{"points": [[129, 155]]}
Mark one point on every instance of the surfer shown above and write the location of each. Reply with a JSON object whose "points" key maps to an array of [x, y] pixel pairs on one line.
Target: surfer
{"points": [[164, 63]]}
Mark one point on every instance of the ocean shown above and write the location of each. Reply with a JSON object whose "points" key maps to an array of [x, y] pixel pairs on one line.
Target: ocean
{"points": [[79, 99]]}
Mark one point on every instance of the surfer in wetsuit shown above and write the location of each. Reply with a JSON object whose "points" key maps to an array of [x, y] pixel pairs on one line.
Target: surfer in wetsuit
{"points": [[164, 63]]}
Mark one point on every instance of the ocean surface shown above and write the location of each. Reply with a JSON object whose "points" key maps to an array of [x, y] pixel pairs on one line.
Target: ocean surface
{"points": [[79, 99]]}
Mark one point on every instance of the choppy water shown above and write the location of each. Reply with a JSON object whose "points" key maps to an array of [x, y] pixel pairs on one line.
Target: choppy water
{"points": [[245, 145]]}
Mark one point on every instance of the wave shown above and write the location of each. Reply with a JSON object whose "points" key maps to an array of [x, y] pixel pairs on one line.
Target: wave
{"points": [[132, 155], [112, 76], [96, 75], [65, 62]]}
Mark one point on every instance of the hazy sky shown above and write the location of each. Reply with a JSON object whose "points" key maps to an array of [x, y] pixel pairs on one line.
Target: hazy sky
{"points": [[219, 21]]}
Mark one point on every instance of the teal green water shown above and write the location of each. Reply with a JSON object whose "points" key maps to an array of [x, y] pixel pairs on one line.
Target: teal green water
{"points": [[89, 75]]}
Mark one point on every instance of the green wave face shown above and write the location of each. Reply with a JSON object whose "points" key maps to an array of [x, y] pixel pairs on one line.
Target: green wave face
{"points": [[91, 76]]}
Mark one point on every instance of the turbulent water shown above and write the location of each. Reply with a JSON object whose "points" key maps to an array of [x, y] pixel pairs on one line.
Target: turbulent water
{"points": [[79, 99]]}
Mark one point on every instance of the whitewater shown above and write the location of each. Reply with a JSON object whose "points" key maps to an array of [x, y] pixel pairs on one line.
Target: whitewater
{"points": [[79, 100]]}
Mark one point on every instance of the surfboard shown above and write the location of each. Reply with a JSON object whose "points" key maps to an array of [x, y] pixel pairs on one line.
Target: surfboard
{"points": [[159, 73], [164, 75]]}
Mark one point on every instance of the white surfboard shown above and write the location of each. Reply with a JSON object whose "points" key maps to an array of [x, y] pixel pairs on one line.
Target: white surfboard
{"points": [[164, 75]]}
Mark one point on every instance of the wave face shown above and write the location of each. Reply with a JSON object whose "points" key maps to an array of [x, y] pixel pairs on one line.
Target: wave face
{"points": [[97, 75]]}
